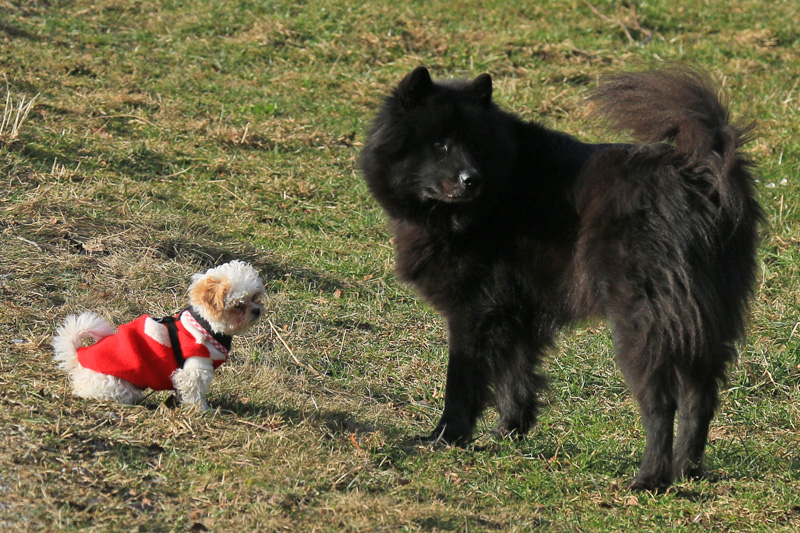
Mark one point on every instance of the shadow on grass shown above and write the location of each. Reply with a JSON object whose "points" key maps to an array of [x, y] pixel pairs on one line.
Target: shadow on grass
{"points": [[196, 243], [209, 254], [336, 423], [15, 31]]}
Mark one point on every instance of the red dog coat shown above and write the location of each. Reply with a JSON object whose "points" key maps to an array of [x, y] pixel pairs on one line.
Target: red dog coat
{"points": [[140, 353]]}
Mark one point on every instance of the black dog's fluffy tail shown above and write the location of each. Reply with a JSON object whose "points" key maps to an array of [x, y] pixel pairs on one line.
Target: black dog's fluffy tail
{"points": [[678, 105]]}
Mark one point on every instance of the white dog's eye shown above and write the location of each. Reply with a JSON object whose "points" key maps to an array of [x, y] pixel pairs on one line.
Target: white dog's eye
{"points": [[440, 147], [240, 306]]}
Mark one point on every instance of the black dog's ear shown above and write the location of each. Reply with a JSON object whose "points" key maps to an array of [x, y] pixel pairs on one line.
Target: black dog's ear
{"points": [[482, 88], [414, 88]]}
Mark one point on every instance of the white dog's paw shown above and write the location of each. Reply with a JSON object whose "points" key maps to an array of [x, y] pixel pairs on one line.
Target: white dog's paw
{"points": [[194, 404]]}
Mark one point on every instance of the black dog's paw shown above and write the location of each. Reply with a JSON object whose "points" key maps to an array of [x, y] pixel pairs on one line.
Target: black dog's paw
{"points": [[650, 483], [504, 431], [441, 435], [688, 472], [425, 440], [435, 437]]}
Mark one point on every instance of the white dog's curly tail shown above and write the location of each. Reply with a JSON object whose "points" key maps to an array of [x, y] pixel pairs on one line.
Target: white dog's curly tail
{"points": [[74, 329]]}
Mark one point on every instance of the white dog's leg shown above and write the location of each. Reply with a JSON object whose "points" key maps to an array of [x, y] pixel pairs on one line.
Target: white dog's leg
{"points": [[193, 381], [94, 385]]}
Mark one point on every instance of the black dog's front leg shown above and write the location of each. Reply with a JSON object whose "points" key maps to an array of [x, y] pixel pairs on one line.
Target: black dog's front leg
{"points": [[467, 385]]}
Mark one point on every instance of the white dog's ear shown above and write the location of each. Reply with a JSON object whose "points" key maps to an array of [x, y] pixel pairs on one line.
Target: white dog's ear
{"points": [[209, 293]]}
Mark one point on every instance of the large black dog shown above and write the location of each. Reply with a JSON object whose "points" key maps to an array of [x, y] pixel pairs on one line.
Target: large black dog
{"points": [[511, 231]]}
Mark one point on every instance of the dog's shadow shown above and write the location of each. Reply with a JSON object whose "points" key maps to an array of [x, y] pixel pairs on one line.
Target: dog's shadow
{"points": [[199, 245], [208, 254], [402, 445], [332, 422]]}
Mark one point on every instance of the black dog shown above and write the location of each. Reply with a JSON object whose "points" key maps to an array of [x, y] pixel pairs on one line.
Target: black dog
{"points": [[512, 231]]}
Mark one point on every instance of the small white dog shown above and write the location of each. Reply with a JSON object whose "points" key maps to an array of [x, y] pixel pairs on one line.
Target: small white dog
{"points": [[174, 353]]}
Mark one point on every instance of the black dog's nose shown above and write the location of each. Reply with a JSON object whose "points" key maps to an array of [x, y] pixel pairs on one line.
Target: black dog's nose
{"points": [[469, 179]]}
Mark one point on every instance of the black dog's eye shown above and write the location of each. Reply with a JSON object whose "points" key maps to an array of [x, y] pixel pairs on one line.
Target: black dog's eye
{"points": [[440, 147]]}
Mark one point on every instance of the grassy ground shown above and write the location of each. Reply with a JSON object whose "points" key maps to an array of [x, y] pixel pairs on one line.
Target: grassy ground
{"points": [[169, 136]]}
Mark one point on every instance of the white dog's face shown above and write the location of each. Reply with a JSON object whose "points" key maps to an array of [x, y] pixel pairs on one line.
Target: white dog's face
{"points": [[228, 297]]}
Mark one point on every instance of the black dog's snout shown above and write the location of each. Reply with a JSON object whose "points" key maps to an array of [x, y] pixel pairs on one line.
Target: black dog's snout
{"points": [[469, 179]]}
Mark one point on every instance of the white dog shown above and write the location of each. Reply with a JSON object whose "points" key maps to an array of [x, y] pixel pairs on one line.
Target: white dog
{"points": [[174, 353]]}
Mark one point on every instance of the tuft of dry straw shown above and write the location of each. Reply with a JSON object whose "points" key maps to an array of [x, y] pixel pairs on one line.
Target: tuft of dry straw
{"points": [[291, 353], [12, 122]]}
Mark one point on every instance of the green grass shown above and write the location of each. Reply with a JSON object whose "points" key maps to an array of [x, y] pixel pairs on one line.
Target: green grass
{"points": [[169, 136]]}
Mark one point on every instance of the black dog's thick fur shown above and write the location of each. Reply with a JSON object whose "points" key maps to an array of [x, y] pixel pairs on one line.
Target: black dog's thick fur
{"points": [[512, 231]]}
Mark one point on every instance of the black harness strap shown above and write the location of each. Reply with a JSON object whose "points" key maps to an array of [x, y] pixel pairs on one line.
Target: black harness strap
{"points": [[172, 330], [224, 340]]}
